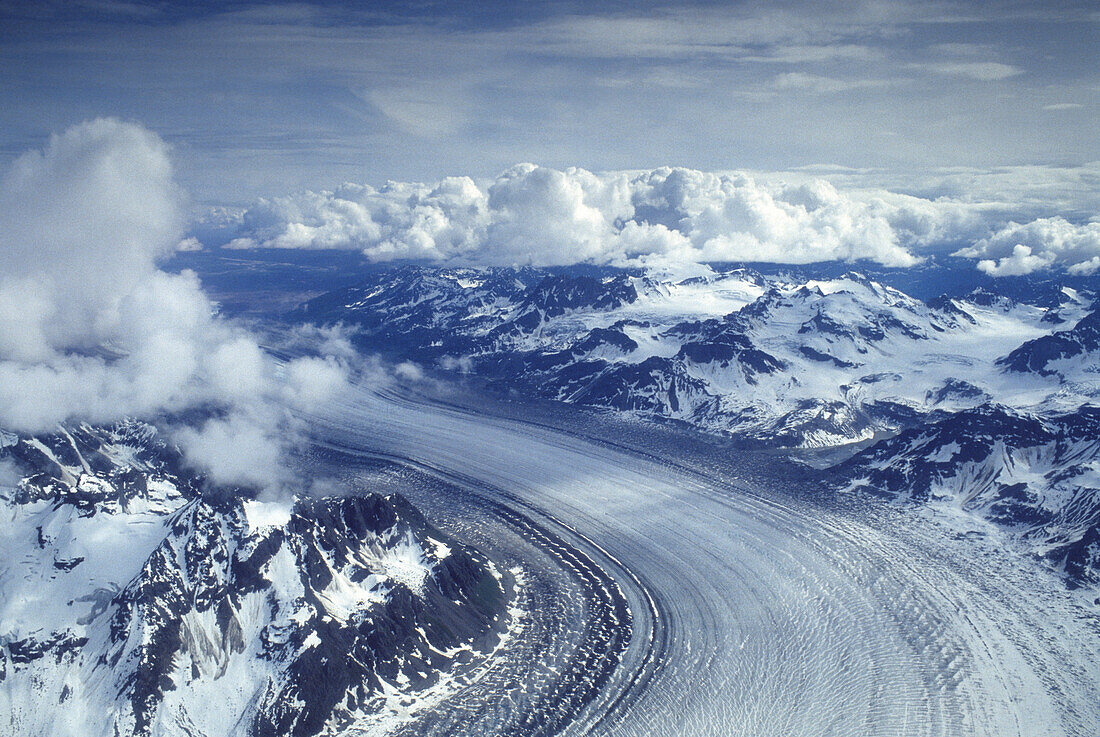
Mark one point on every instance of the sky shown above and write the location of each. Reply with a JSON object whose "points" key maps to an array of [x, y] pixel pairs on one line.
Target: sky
{"points": [[262, 100], [494, 133]]}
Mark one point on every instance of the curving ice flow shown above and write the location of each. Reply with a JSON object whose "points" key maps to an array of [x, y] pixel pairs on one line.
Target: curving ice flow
{"points": [[755, 614]]}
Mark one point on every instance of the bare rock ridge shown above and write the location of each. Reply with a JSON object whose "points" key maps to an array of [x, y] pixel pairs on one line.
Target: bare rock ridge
{"points": [[133, 589]]}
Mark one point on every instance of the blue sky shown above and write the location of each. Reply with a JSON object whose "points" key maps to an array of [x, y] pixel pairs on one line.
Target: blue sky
{"points": [[264, 99]]}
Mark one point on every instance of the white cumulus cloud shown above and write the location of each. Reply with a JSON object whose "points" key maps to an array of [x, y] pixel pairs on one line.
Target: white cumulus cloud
{"points": [[1023, 248], [735, 218], [92, 330], [542, 216]]}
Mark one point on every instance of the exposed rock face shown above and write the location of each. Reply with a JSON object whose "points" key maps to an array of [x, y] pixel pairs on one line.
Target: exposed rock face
{"points": [[148, 604], [1036, 478], [767, 358]]}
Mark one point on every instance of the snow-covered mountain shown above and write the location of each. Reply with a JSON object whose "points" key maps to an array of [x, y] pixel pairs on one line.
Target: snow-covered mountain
{"points": [[803, 363], [982, 401], [1067, 353], [1036, 478], [135, 600]]}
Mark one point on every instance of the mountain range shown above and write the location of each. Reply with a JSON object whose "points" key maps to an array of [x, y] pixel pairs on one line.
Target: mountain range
{"points": [[983, 400]]}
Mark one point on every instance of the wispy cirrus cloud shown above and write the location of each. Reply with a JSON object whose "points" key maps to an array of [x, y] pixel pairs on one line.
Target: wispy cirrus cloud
{"points": [[802, 54], [982, 71], [821, 85]]}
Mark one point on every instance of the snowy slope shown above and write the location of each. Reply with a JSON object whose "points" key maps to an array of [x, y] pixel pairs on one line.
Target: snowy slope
{"points": [[1038, 478], [143, 603], [811, 363], [1008, 378]]}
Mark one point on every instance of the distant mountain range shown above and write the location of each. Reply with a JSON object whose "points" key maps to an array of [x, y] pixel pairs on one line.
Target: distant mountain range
{"points": [[985, 400], [801, 364]]}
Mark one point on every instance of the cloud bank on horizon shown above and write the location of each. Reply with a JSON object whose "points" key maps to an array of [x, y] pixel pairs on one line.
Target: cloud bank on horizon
{"points": [[91, 330], [533, 215], [937, 126]]}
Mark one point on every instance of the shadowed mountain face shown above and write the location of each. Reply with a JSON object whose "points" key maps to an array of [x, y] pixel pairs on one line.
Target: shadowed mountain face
{"points": [[771, 360], [134, 590], [1034, 477], [1058, 352]]}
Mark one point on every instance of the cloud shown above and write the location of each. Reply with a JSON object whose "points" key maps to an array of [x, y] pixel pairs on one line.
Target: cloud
{"points": [[822, 85], [1063, 106], [242, 448], [817, 54], [408, 371], [1024, 248], [428, 112], [1000, 193], [400, 220], [310, 380], [658, 77], [982, 71], [1022, 261], [189, 244], [91, 329], [734, 218], [546, 217], [84, 220], [543, 216], [333, 340], [10, 474]]}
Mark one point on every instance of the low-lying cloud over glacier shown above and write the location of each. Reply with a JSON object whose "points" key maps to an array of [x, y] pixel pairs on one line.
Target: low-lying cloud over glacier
{"points": [[544, 217], [91, 329]]}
